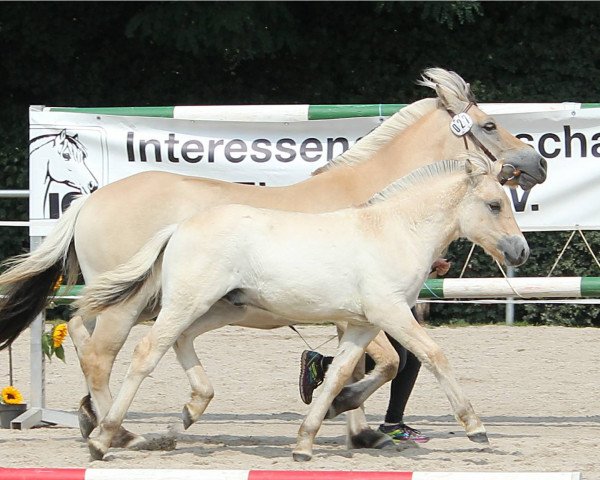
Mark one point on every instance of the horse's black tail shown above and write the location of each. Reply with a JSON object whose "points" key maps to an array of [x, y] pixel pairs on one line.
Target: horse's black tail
{"points": [[30, 279]]}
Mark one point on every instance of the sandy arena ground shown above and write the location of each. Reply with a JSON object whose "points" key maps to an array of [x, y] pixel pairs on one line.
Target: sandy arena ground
{"points": [[536, 389]]}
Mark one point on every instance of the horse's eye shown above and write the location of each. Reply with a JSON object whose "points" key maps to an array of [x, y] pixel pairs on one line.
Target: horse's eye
{"points": [[66, 156], [489, 126], [495, 207]]}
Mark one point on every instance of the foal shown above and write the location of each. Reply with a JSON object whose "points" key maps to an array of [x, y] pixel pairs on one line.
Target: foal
{"points": [[363, 266]]}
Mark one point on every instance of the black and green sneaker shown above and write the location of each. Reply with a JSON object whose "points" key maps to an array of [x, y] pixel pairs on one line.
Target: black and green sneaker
{"points": [[403, 433], [311, 374]]}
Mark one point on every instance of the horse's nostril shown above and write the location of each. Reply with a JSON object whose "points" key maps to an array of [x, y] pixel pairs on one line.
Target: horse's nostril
{"points": [[543, 163]]}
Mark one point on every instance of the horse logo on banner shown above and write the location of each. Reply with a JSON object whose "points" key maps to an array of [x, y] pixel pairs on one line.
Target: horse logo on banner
{"points": [[64, 159]]}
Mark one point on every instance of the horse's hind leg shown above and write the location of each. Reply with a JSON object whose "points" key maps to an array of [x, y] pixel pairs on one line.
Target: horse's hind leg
{"points": [[172, 321], [400, 323], [97, 353]]}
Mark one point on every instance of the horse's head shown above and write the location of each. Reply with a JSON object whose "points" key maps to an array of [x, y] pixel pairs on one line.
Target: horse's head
{"points": [[66, 163], [470, 128], [486, 216]]}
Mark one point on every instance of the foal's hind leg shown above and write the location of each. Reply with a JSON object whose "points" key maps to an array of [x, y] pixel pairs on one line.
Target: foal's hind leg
{"points": [[399, 322], [219, 315]]}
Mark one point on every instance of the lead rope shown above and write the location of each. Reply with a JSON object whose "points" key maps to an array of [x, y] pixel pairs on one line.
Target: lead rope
{"points": [[508, 280], [307, 344]]}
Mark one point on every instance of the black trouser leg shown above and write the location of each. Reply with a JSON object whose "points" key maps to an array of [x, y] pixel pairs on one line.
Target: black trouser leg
{"points": [[402, 385]]}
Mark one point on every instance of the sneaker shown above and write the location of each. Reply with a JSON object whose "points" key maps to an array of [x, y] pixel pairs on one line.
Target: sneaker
{"points": [[311, 374], [401, 433]]}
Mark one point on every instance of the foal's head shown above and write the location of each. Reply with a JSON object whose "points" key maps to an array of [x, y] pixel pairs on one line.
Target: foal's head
{"points": [[486, 216]]}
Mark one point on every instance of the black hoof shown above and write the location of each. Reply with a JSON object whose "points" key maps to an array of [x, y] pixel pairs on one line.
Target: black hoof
{"points": [[371, 439], [301, 457], [345, 400], [86, 417], [479, 438], [187, 418]]}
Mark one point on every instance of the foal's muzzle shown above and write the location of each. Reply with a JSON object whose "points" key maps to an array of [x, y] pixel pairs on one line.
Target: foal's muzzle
{"points": [[515, 250]]}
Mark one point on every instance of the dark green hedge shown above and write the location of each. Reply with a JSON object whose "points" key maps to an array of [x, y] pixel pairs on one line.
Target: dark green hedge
{"points": [[186, 53]]}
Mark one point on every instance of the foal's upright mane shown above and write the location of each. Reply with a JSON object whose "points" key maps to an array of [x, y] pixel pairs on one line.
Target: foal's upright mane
{"points": [[404, 118], [482, 166]]}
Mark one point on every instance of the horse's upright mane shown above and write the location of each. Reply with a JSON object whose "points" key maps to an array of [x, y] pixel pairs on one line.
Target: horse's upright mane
{"points": [[452, 81], [482, 166], [402, 119]]}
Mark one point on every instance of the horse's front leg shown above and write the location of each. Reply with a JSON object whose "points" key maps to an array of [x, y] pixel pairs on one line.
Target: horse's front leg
{"points": [[399, 322], [351, 348]]}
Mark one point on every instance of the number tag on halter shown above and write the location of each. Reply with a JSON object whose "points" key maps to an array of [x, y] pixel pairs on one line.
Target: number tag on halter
{"points": [[461, 124]]}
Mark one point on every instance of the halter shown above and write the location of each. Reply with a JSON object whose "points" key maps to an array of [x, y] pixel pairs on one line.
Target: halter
{"points": [[461, 127]]}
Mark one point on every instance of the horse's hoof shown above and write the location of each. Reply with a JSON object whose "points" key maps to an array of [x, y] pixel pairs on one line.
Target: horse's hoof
{"points": [[187, 418], [301, 457], [480, 437], [368, 438], [97, 450], [86, 417]]}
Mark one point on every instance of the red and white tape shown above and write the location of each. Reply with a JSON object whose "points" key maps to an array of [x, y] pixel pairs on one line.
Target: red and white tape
{"points": [[186, 474]]}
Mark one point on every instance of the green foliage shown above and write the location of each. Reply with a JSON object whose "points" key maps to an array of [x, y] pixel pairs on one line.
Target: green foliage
{"points": [[190, 53]]}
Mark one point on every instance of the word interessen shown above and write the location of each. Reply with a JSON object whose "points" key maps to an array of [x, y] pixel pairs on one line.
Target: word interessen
{"points": [[236, 150]]}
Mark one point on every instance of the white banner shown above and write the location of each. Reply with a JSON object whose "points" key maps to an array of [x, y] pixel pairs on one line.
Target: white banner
{"points": [[71, 153]]}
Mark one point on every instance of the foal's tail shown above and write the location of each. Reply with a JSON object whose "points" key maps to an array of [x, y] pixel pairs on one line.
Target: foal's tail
{"points": [[31, 278], [128, 279]]}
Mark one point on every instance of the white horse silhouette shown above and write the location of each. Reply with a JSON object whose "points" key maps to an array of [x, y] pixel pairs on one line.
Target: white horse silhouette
{"points": [[65, 162]]}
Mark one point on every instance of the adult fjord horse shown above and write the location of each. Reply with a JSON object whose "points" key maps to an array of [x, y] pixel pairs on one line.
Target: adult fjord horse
{"points": [[115, 222], [364, 266]]}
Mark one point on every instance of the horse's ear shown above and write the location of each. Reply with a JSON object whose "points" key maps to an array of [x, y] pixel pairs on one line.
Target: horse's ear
{"points": [[75, 136], [448, 99], [60, 138]]}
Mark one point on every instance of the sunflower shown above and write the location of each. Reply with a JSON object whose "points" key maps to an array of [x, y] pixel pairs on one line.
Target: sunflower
{"points": [[11, 396], [58, 283], [58, 334]]}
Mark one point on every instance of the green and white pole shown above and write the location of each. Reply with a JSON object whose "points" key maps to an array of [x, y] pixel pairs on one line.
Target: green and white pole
{"points": [[296, 113], [518, 287], [473, 288]]}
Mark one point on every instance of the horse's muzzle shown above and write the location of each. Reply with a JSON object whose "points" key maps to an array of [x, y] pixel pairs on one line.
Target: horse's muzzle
{"points": [[515, 250], [533, 169]]}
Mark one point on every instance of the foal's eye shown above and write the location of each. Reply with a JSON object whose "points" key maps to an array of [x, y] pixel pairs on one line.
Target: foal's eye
{"points": [[495, 207], [66, 156], [489, 126]]}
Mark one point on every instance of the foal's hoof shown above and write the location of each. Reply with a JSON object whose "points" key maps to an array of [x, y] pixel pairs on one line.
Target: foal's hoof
{"points": [[480, 437], [97, 450], [301, 457], [187, 418]]}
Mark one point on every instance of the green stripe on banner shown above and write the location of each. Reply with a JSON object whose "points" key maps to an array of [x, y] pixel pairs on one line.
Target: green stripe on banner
{"points": [[590, 105], [164, 112], [328, 112], [590, 286], [433, 288]]}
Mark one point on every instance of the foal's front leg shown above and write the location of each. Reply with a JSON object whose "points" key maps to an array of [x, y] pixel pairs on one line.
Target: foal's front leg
{"points": [[399, 322], [351, 348]]}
